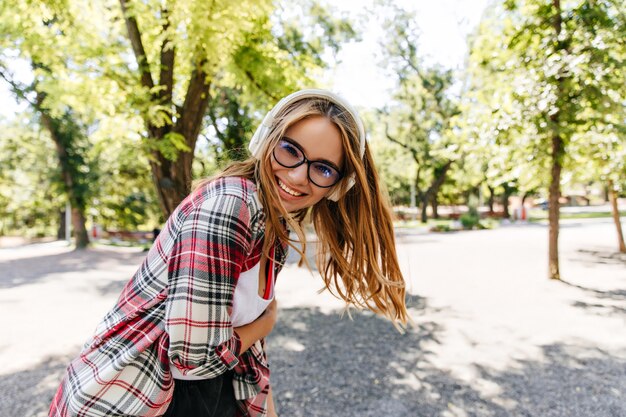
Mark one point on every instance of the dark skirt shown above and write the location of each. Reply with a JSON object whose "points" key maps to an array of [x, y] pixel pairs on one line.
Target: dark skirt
{"points": [[204, 398]]}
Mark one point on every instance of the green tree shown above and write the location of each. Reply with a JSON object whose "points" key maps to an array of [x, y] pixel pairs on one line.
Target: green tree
{"points": [[156, 74], [492, 158], [395, 166], [30, 180], [558, 66], [231, 124], [421, 118], [601, 157], [124, 198], [184, 49], [43, 36]]}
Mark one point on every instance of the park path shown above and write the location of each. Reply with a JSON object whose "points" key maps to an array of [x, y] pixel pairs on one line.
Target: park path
{"points": [[492, 336]]}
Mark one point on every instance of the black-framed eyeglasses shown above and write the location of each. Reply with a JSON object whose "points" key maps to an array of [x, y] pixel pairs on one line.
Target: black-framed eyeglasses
{"points": [[321, 173]]}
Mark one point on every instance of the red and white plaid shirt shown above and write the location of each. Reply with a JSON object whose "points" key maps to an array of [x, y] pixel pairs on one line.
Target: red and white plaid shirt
{"points": [[177, 309]]}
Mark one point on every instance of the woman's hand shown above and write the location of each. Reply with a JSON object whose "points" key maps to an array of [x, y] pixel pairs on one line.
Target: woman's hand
{"points": [[271, 409], [271, 314], [258, 329]]}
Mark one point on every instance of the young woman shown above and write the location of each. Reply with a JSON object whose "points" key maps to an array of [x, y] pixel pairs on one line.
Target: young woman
{"points": [[186, 337]]}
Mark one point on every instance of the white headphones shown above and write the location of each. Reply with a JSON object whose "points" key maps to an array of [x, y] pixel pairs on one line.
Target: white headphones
{"points": [[262, 132]]}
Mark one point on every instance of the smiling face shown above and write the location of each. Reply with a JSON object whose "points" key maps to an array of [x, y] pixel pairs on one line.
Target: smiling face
{"points": [[320, 140]]}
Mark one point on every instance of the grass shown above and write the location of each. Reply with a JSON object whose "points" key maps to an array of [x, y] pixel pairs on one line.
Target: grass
{"points": [[123, 244], [535, 215], [441, 224], [539, 215], [416, 224]]}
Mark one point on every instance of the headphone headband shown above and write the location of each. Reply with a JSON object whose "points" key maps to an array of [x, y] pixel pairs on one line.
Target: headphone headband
{"points": [[262, 132]]}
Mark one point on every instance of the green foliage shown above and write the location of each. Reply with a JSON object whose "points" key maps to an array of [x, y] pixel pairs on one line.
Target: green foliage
{"points": [[170, 145], [114, 114], [421, 119], [73, 160], [125, 197], [232, 123], [69, 45], [30, 202], [247, 49], [441, 228], [470, 219], [530, 83], [395, 166]]}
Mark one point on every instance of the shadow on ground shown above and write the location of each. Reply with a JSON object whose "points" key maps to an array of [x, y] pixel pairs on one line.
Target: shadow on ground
{"points": [[601, 256], [30, 270], [324, 365], [606, 302], [29, 393], [571, 381]]}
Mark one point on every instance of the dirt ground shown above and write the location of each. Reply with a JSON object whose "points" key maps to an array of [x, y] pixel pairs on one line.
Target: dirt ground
{"points": [[491, 335]]}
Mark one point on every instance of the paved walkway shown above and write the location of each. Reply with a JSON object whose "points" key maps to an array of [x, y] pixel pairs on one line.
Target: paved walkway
{"points": [[492, 335]]}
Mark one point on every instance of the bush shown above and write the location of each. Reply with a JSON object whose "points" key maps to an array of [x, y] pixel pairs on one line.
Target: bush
{"points": [[441, 228], [470, 219]]}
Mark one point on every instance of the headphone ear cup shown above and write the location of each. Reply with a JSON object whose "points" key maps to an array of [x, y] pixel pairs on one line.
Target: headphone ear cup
{"points": [[257, 140], [336, 194]]}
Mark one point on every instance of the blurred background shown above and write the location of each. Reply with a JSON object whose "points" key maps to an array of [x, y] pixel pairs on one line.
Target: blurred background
{"points": [[474, 109], [499, 131]]}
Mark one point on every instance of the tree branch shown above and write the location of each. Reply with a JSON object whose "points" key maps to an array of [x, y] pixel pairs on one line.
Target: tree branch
{"points": [[558, 20], [195, 105], [254, 81], [135, 40], [437, 182], [166, 76], [18, 89], [404, 145], [410, 62]]}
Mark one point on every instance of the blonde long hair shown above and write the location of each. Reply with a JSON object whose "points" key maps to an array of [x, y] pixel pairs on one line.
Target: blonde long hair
{"points": [[356, 253]]}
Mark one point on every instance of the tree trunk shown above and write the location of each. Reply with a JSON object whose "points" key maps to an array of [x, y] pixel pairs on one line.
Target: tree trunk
{"points": [[558, 151], [172, 178], [80, 230], [66, 134], [490, 200], [77, 200], [616, 217], [505, 204], [431, 194], [553, 209], [434, 204], [525, 196], [421, 196], [172, 181], [61, 229], [424, 207]]}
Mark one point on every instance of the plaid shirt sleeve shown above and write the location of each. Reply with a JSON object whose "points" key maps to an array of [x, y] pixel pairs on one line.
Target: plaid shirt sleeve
{"points": [[206, 260]]}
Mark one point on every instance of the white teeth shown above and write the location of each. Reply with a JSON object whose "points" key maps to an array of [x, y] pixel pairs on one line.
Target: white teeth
{"points": [[288, 190]]}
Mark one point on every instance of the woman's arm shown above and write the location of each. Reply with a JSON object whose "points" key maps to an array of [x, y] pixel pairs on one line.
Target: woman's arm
{"points": [[258, 329], [271, 409], [207, 256]]}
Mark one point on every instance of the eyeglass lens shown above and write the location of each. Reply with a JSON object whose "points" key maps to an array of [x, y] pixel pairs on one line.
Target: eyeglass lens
{"points": [[320, 173]]}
